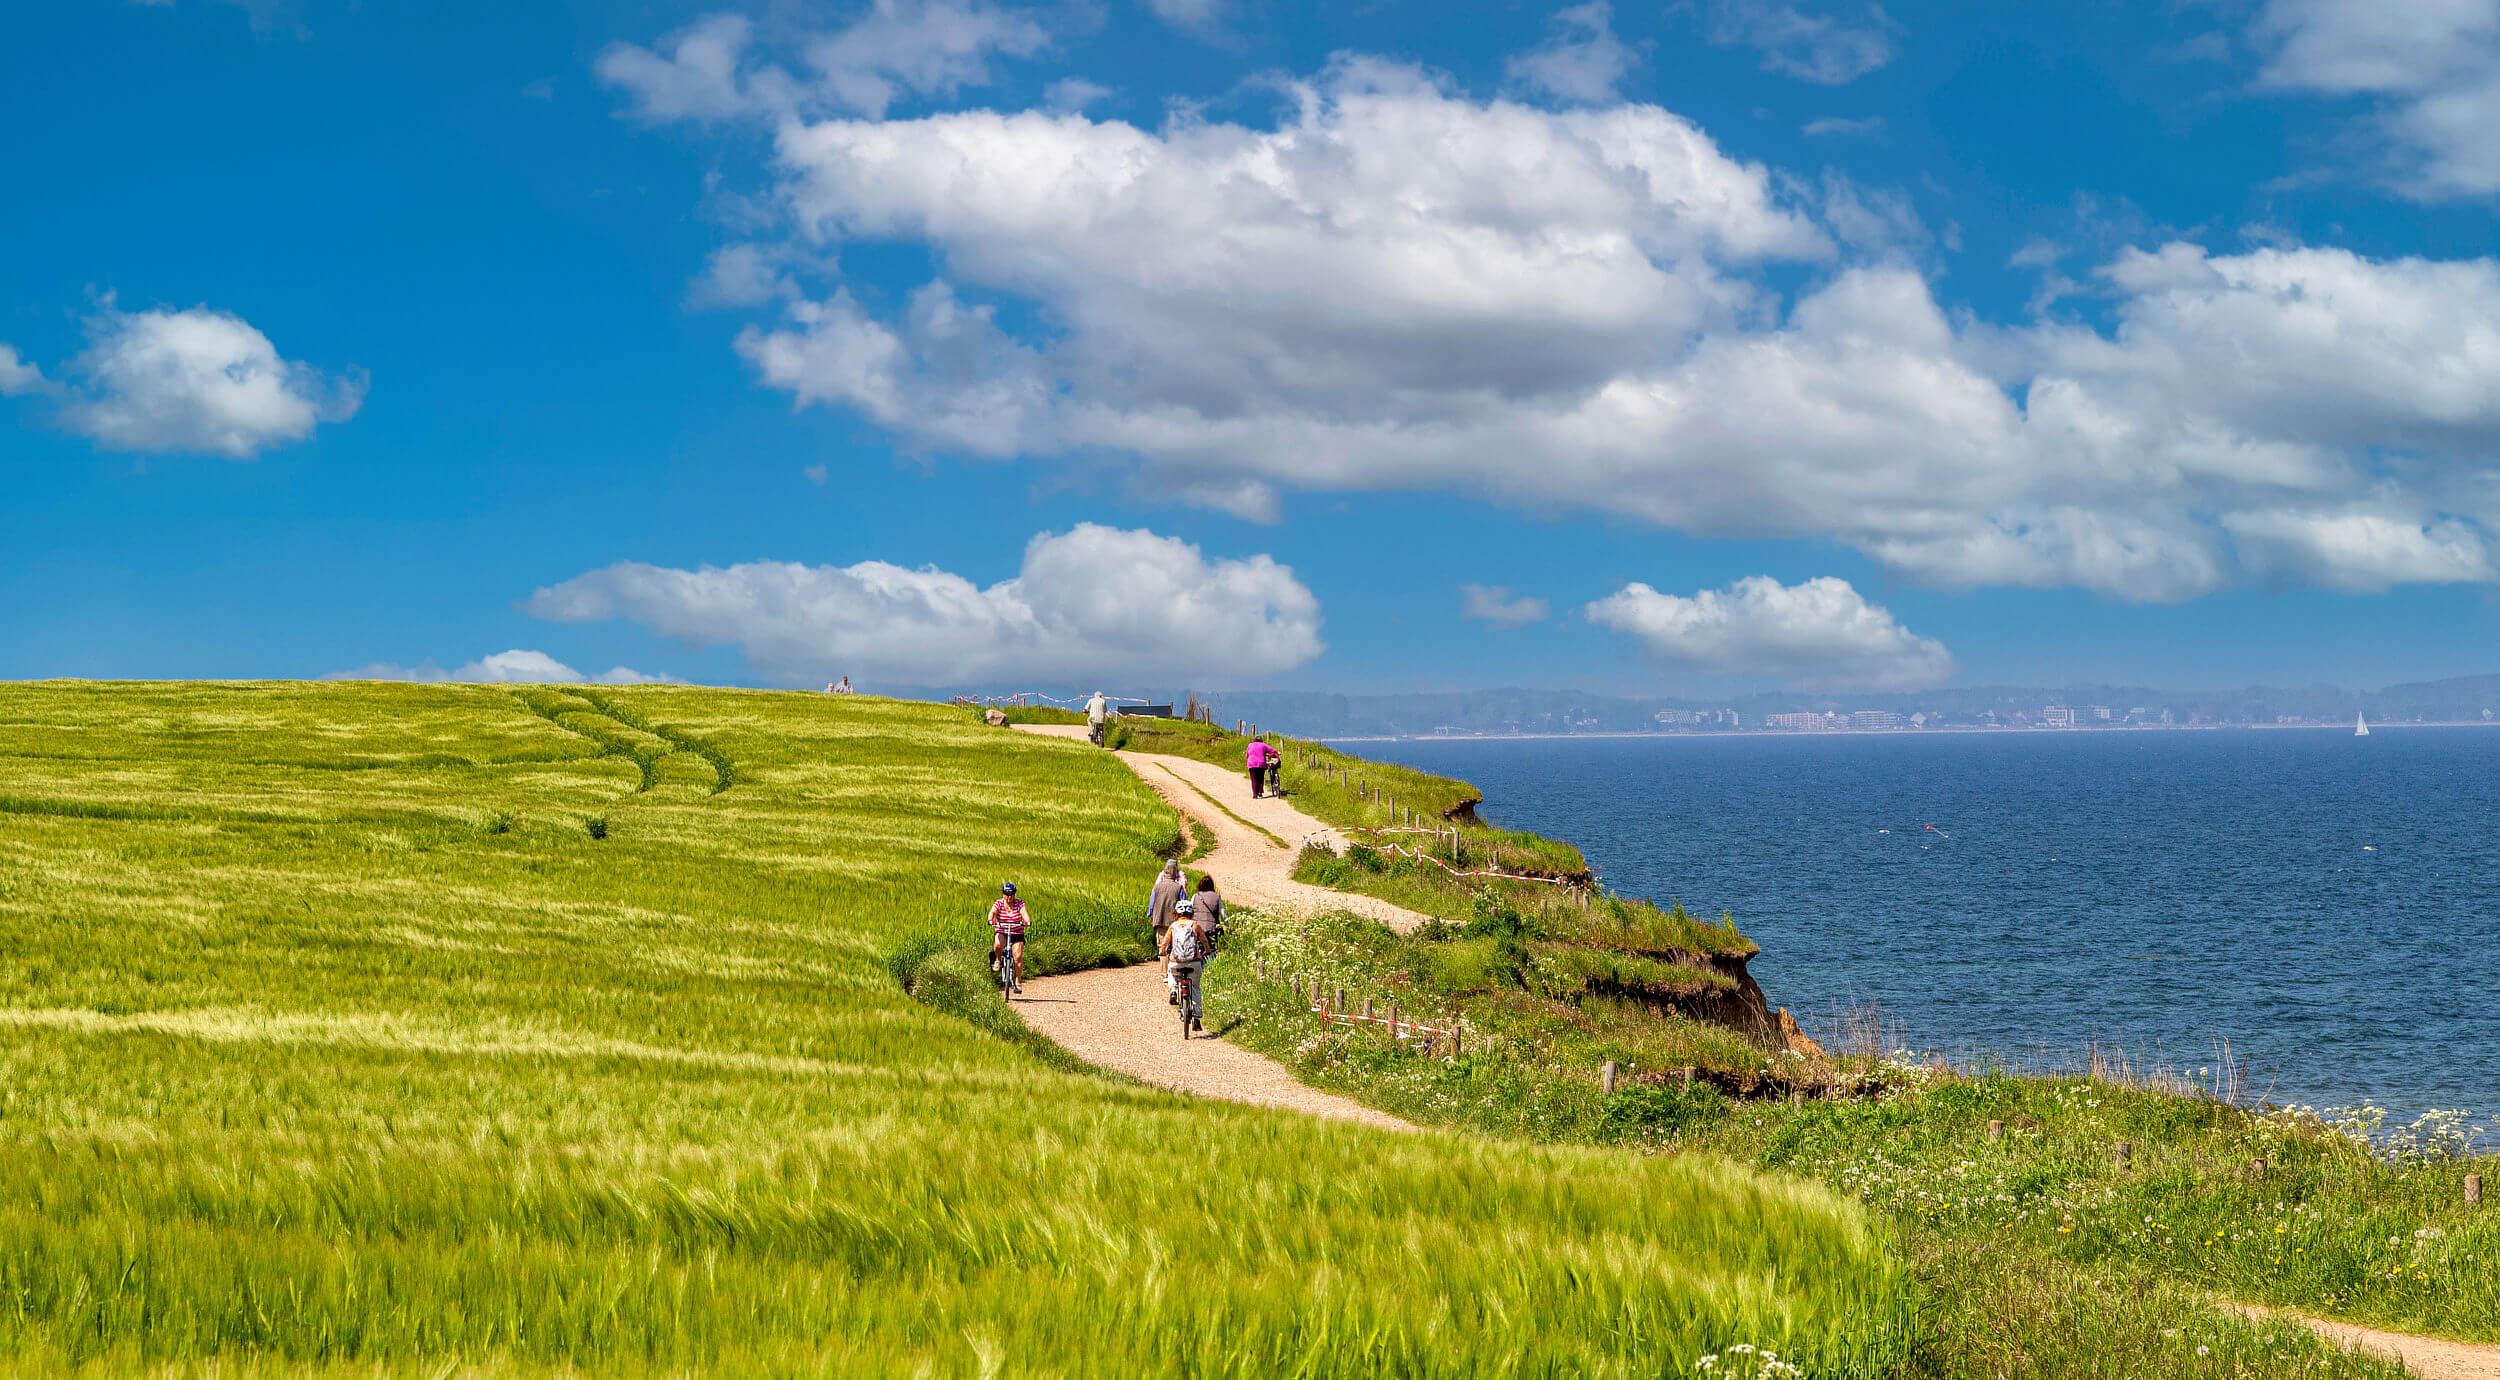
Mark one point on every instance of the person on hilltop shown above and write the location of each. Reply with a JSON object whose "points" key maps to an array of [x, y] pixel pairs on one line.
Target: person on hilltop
{"points": [[1257, 760], [842, 687], [1162, 903], [1008, 922], [1097, 710]]}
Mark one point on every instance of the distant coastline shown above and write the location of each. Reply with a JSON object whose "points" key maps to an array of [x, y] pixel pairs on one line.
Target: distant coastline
{"points": [[1964, 730]]}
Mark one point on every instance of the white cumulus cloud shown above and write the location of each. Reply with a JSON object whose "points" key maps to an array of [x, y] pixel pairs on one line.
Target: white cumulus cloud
{"points": [[1809, 46], [17, 375], [2429, 68], [1818, 634], [1193, 16], [193, 381], [1580, 60], [1400, 287], [896, 49], [1494, 604], [514, 667], [1092, 601]]}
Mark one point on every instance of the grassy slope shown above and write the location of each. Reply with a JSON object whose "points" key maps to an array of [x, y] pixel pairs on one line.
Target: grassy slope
{"points": [[2039, 1257], [400, 1024]]}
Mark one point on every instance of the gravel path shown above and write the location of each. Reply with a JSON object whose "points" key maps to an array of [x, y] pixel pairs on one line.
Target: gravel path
{"points": [[1119, 1018], [2432, 1358], [1255, 840]]}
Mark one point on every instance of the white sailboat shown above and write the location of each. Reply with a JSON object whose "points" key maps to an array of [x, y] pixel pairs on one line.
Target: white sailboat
{"points": [[2360, 727]]}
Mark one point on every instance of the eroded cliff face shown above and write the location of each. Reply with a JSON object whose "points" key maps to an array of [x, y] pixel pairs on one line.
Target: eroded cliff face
{"points": [[1729, 996], [1740, 1005]]}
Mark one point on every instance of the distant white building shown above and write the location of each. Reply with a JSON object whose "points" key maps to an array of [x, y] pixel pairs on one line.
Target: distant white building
{"points": [[1735, 720], [2058, 716], [2100, 713], [1675, 716], [1792, 720], [1874, 718]]}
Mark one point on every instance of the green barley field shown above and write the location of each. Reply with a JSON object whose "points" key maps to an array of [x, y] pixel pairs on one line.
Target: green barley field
{"points": [[385, 1029]]}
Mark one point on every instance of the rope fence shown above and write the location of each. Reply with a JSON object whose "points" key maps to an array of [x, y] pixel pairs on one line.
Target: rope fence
{"points": [[1405, 852]]}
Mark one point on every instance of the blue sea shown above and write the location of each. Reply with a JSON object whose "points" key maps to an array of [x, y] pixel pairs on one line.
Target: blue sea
{"points": [[2328, 904]]}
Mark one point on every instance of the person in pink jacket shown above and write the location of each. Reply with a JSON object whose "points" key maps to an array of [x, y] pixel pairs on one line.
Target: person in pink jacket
{"points": [[1259, 759]]}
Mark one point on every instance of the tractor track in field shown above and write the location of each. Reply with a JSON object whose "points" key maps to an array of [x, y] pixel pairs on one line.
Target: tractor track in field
{"points": [[553, 705]]}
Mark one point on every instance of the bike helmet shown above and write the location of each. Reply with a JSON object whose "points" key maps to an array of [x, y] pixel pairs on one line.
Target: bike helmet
{"points": [[1007, 890], [1186, 907]]}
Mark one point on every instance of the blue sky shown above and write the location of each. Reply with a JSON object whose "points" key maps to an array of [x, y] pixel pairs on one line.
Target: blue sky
{"points": [[1223, 343]]}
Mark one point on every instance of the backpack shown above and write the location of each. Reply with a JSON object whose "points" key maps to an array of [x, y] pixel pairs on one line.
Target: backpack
{"points": [[1185, 945]]}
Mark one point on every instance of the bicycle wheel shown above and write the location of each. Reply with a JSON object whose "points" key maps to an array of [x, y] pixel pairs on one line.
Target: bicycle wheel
{"points": [[1189, 998]]}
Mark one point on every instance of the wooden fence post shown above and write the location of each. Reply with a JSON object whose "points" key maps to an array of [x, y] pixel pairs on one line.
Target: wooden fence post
{"points": [[1796, 1097], [1996, 1130], [1339, 1003], [1687, 1073], [1606, 1077], [1393, 1022], [1367, 1008], [2473, 1190], [2126, 1152]]}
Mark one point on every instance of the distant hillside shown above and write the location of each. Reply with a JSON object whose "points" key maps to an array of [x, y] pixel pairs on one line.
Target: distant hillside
{"points": [[2466, 698]]}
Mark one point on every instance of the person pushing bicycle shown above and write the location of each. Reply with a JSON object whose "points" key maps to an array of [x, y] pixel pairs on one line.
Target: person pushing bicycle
{"points": [[1008, 922]]}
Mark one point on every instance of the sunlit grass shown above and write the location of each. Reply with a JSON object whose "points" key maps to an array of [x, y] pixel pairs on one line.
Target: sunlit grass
{"points": [[332, 1040]]}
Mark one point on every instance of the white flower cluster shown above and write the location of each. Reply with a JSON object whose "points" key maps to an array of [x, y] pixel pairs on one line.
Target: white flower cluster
{"points": [[1745, 1361]]}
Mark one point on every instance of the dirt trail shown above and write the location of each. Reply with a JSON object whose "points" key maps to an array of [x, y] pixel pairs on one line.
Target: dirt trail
{"points": [[1255, 840], [2432, 1358], [1120, 1019]]}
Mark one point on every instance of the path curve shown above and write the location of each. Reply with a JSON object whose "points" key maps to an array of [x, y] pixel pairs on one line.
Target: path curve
{"points": [[1255, 839], [1119, 1018], [2432, 1358]]}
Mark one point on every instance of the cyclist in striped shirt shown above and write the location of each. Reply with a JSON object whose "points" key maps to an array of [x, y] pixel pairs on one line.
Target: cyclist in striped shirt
{"points": [[1008, 921]]}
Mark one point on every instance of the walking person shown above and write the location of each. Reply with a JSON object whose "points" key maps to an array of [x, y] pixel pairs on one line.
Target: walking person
{"points": [[1207, 908], [1162, 903], [1256, 759]]}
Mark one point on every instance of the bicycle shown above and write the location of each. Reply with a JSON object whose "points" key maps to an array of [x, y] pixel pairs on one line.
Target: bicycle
{"points": [[1187, 975], [1094, 733], [1009, 967]]}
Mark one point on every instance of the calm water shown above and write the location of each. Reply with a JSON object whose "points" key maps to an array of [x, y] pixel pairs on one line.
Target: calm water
{"points": [[2325, 902]]}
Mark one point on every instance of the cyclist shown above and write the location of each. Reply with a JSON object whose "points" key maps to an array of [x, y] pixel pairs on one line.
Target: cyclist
{"points": [[1097, 710], [1188, 951], [1008, 921]]}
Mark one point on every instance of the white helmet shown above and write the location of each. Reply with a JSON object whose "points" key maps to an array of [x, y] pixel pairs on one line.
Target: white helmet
{"points": [[1185, 907]]}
